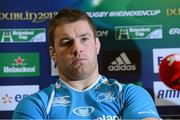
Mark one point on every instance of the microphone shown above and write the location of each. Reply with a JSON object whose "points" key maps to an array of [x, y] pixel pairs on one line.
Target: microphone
{"points": [[169, 71]]}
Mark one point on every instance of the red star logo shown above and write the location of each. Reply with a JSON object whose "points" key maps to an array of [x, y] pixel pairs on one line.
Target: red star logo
{"points": [[19, 61], [7, 99]]}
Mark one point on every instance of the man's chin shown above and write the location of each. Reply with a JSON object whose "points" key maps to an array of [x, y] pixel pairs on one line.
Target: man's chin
{"points": [[79, 76]]}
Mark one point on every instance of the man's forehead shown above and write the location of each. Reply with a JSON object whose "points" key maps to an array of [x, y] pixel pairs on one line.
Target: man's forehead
{"points": [[78, 24], [79, 28]]}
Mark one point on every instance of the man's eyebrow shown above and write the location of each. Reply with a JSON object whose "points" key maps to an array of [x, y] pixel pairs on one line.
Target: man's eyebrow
{"points": [[84, 34], [66, 38], [63, 36]]}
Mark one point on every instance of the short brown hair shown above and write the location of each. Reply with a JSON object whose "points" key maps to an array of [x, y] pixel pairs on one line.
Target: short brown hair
{"points": [[67, 16]]}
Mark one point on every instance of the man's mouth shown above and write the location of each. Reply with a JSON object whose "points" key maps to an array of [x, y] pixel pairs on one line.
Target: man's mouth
{"points": [[79, 61]]}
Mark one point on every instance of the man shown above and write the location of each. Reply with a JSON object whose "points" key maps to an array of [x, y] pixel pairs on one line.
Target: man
{"points": [[81, 92]]}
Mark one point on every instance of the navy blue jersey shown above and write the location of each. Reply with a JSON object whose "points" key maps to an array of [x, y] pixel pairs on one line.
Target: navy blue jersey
{"points": [[105, 99]]}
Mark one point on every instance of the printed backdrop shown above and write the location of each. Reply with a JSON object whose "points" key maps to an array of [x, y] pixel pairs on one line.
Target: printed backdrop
{"points": [[135, 37]]}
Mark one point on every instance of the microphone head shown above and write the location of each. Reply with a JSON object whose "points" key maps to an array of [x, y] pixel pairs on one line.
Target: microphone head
{"points": [[169, 71]]}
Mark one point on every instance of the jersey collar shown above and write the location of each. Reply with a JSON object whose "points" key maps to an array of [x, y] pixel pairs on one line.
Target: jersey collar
{"points": [[60, 82]]}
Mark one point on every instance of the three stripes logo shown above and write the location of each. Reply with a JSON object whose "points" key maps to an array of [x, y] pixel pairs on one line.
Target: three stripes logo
{"points": [[122, 63]]}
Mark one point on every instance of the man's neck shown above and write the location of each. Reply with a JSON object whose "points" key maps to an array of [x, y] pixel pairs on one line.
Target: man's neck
{"points": [[82, 84]]}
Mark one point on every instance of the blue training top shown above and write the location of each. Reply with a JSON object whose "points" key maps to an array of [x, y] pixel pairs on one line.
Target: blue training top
{"points": [[105, 99]]}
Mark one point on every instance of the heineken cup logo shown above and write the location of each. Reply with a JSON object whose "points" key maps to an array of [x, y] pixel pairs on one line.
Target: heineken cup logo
{"points": [[22, 35], [22, 64], [138, 32]]}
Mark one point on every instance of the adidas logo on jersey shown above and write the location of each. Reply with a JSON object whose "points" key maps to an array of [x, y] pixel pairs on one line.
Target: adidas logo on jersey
{"points": [[122, 63]]}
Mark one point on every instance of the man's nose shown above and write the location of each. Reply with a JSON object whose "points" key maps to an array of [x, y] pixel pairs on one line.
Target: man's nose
{"points": [[77, 47]]}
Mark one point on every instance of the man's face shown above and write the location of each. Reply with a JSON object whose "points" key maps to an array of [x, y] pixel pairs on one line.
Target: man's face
{"points": [[75, 50]]}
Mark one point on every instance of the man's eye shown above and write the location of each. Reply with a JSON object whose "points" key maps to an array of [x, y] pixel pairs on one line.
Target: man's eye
{"points": [[85, 39], [65, 42]]}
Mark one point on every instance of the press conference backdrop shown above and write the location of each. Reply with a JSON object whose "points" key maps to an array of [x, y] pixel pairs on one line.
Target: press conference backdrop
{"points": [[135, 36]]}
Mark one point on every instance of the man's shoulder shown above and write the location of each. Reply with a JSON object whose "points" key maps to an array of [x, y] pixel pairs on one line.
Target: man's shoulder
{"points": [[33, 104], [134, 91], [125, 86], [131, 86], [128, 88], [40, 96]]}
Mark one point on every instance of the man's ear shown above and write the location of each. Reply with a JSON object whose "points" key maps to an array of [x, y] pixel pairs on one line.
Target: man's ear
{"points": [[98, 45], [52, 53]]}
